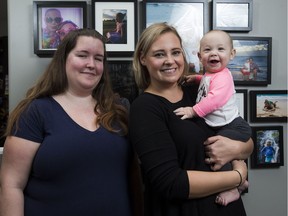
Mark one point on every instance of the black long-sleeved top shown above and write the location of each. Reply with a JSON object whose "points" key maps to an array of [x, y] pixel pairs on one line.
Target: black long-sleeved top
{"points": [[168, 146]]}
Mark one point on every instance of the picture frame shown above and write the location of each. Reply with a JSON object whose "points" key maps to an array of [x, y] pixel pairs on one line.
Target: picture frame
{"points": [[251, 65], [122, 79], [241, 101], [52, 20], [268, 105], [189, 17], [233, 15], [268, 147], [119, 43]]}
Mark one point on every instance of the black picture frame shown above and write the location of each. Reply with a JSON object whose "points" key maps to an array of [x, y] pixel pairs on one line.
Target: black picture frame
{"points": [[233, 15], [268, 147], [122, 79], [272, 110], [71, 11], [189, 17], [256, 52], [103, 20], [241, 101]]}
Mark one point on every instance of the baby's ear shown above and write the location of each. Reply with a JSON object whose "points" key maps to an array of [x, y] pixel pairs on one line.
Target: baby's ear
{"points": [[233, 53]]}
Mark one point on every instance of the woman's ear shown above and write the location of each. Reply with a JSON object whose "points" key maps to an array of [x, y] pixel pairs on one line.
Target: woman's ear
{"points": [[199, 56], [142, 59]]}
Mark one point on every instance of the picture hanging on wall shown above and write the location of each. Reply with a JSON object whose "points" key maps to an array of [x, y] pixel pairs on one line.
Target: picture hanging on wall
{"points": [[268, 106], [252, 64], [268, 147], [241, 101], [122, 79], [117, 21], [189, 17], [233, 15], [53, 20]]}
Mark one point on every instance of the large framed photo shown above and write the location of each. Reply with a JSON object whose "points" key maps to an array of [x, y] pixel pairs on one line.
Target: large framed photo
{"points": [[252, 64], [241, 101], [268, 106], [53, 20], [189, 17], [233, 15], [122, 79], [117, 21], [268, 147]]}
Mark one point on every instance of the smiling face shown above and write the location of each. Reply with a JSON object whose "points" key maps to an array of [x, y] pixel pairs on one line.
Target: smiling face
{"points": [[85, 65], [164, 60], [65, 29], [216, 50], [52, 19]]}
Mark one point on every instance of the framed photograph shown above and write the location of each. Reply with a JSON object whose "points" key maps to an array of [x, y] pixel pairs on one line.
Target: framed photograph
{"points": [[241, 101], [268, 147], [189, 17], [117, 21], [53, 20], [122, 79], [252, 64], [233, 15], [268, 106]]}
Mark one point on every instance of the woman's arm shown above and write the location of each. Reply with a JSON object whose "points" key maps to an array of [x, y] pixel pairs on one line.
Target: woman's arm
{"points": [[207, 183], [17, 159], [221, 150]]}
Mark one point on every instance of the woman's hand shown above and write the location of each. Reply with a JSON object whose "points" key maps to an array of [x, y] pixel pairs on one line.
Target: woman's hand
{"points": [[221, 150]]}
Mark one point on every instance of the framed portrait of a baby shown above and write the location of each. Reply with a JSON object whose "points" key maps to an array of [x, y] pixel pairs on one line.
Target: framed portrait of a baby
{"points": [[117, 21], [268, 147], [53, 20]]}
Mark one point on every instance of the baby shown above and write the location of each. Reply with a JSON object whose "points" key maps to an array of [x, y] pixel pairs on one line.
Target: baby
{"points": [[216, 97]]}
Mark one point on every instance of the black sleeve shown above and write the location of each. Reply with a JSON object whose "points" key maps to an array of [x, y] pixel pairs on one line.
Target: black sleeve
{"points": [[155, 147]]}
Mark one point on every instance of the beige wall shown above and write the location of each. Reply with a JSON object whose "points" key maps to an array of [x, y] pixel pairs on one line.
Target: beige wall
{"points": [[268, 187]]}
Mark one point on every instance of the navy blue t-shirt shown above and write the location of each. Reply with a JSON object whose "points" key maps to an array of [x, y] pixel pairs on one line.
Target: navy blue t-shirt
{"points": [[75, 171]]}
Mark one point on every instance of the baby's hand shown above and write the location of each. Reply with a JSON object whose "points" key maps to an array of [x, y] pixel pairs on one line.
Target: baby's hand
{"points": [[185, 112]]}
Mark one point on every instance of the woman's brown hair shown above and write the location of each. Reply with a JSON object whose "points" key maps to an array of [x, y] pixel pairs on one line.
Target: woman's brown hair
{"points": [[110, 113]]}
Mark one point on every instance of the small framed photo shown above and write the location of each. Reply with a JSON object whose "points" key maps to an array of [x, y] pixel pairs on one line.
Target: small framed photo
{"points": [[268, 147], [53, 20], [233, 15], [122, 79], [189, 17], [252, 64], [241, 101], [268, 106], [117, 21]]}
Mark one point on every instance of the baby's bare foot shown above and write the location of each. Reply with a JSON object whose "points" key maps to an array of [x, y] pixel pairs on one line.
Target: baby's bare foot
{"points": [[226, 197]]}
